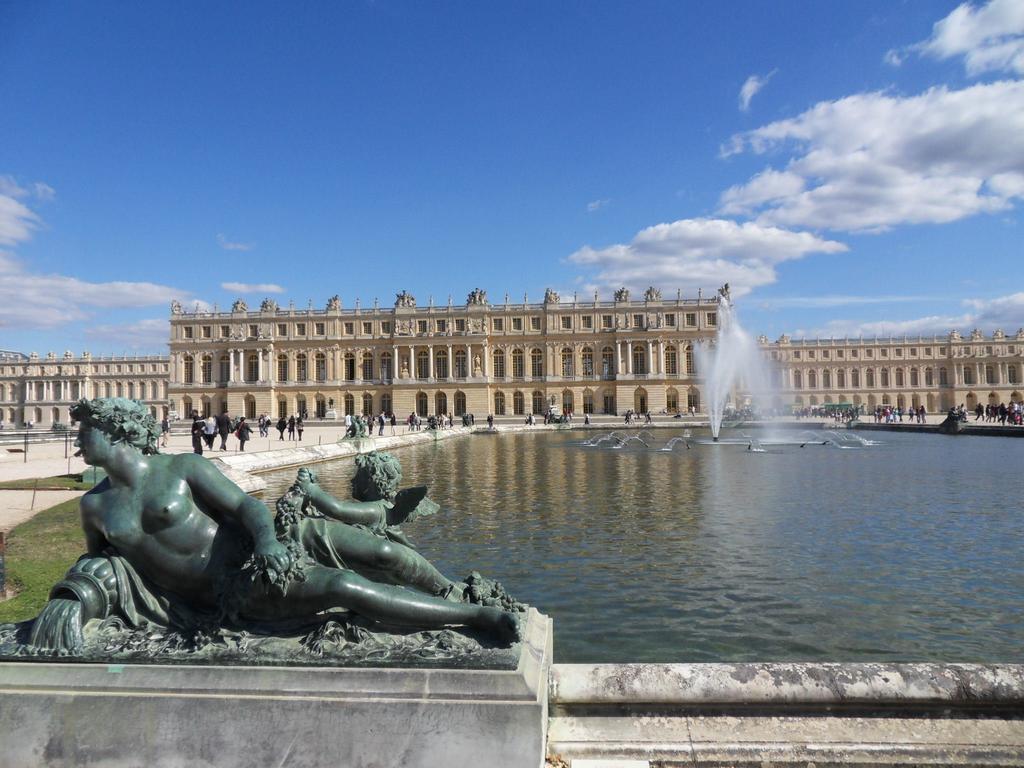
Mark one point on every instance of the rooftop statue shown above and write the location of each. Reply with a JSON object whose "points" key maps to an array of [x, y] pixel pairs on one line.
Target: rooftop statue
{"points": [[652, 294], [268, 305], [476, 297], [551, 296], [334, 303], [622, 294], [177, 556], [175, 307], [239, 306], [405, 299]]}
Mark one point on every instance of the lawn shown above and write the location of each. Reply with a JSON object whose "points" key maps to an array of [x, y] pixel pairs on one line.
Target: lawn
{"points": [[58, 483], [39, 552]]}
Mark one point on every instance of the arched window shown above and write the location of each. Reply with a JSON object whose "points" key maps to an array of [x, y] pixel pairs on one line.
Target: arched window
{"points": [[639, 359], [461, 371], [537, 402], [499, 403], [385, 366], [587, 361], [350, 404], [190, 370], [968, 375], [300, 407], [841, 378], [367, 404], [250, 407], [567, 401], [282, 367], [206, 370], [282, 408], [812, 379], [588, 401], [826, 379], [608, 362], [899, 377], [928, 377], [385, 404], [225, 368], [1011, 374], [671, 363], [440, 403], [186, 408], [567, 366], [869, 378], [301, 367], [441, 367], [518, 403], [460, 403], [884, 377], [118, 389], [798, 382], [422, 404], [913, 377], [672, 400], [990, 374], [321, 407], [498, 364], [536, 363], [855, 378], [349, 365], [943, 377], [518, 364], [320, 367], [252, 368], [689, 360], [367, 366]]}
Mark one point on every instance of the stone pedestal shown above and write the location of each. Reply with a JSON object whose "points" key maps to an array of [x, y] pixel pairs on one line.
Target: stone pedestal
{"points": [[161, 716]]}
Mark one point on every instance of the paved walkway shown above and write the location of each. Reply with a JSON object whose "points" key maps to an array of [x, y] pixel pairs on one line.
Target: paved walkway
{"points": [[18, 506]]}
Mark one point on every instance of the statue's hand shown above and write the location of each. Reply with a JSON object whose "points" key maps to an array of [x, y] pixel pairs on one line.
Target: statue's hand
{"points": [[272, 557]]}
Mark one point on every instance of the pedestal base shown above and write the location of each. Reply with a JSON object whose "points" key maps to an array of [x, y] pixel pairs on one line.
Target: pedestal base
{"points": [[161, 716]]}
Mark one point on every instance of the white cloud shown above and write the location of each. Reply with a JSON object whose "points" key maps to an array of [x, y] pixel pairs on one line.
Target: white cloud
{"points": [[827, 301], [699, 253], [1004, 312], [751, 87], [147, 334], [871, 161], [17, 221], [989, 37], [252, 287], [894, 58], [596, 205], [228, 245]]}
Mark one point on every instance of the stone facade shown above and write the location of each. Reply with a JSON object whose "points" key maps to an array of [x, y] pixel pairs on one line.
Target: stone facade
{"points": [[937, 372], [482, 358], [42, 389]]}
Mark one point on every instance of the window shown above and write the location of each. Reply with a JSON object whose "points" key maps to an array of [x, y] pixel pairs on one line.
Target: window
{"points": [[869, 353], [422, 364], [587, 360], [498, 324], [282, 329], [566, 322], [498, 364], [385, 372], [187, 332], [190, 370], [253, 331], [691, 319], [349, 366], [840, 354], [367, 328], [607, 321], [671, 364], [1011, 374], [518, 403], [252, 368], [990, 375], [320, 329], [913, 351], [670, 319], [841, 378], [810, 354], [421, 326], [943, 380], [225, 331], [499, 403], [968, 375], [441, 370], [588, 322], [534, 323], [536, 363], [282, 368], [913, 377], [518, 364], [517, 325], [225, 369], [824, 354], [537, 402], [796, 354], [797, 380], [855, 378], [350, 328], [207, 332], [689, 359], [206, 370], [301, 368], [321, 366], [607, 362], [385, 327], [460, 325], [442, 326], [899, 352], [884, 378], [639, 359], [460, 364], [884, 352], [300, 329], [567, 366], [367, 367], [712, 319]]}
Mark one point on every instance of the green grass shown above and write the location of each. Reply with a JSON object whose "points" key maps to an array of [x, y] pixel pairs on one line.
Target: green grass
{"points": [[39, 553], [58, 483]]}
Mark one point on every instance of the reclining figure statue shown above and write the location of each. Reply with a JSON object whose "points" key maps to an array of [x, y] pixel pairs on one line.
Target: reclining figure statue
{"points": [[171, 541]]}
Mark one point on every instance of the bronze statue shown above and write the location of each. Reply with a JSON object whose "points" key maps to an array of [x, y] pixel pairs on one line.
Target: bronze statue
{"points": [[170, 540]]}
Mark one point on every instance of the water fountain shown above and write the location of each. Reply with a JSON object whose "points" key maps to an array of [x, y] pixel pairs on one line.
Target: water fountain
{"points": [[733, 361]]}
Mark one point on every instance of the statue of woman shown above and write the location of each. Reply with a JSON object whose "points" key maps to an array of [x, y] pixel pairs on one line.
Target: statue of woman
{"points": [[206, 547]]}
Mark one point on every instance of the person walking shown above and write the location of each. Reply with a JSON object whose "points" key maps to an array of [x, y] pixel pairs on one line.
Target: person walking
{"points": [[209, 432], [224, 429], [394, 422], [165, 430], [243, 432], [299, 426], [291, 427], [198, 428], [282, 424]]}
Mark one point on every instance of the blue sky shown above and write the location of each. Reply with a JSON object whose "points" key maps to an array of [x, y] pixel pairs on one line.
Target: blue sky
{"points": [[850, 168]]}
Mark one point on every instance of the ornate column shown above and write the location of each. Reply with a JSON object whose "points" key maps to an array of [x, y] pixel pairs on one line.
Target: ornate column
{"points": [[430, 362], [451, 363], [487, 362], [618, 357], [650, 357]]}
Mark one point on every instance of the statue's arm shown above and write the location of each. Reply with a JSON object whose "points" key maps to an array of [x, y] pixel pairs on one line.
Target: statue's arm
{"points": [[222, 497], [352, 512]]}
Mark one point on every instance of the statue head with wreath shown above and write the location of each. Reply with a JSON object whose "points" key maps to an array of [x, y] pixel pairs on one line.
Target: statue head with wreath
{"points": [[125, 421], [377, 477]]}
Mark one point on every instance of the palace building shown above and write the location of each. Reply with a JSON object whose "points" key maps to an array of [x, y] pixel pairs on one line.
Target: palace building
{"points": [[41, 390], [478, 357]]}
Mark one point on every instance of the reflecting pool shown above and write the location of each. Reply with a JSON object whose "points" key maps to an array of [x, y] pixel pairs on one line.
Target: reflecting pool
{"points": [[909, 550]]}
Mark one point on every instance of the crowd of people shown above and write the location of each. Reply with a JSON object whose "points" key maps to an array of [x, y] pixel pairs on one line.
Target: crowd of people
{"points": [[1002, 414]]}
